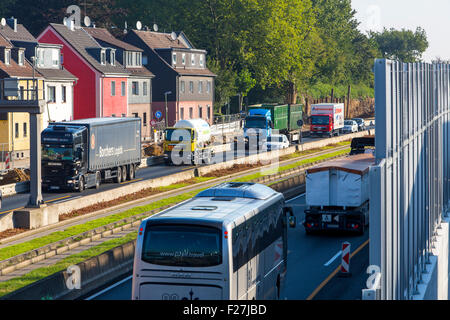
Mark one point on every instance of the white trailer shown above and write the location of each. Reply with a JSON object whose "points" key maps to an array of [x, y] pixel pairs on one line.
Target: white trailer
{"points": [[337, 194], [327, 118]]}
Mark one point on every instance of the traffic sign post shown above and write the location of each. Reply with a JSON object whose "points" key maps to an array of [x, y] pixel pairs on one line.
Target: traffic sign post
{"points": [[345, 261]]}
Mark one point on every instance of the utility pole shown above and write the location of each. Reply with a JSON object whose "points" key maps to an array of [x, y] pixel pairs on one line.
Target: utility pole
{"points": [[165, 97]]}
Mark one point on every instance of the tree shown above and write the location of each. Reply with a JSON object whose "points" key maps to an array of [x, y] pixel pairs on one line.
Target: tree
{"points": [[404, 45], [244, 83]]}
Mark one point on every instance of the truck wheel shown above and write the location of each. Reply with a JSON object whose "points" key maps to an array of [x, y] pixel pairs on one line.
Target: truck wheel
{"points": [[131, 172], [118, 178], [98, 178], [124, 173], [81, 184]]}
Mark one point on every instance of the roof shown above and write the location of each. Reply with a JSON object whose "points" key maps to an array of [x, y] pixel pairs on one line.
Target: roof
{"points": [[104, 35], [4, 42], [22, 34], [156, 40], [357, 164], [80, 41], [56, 74], [195, 72], [140, 72], [13, 70]]}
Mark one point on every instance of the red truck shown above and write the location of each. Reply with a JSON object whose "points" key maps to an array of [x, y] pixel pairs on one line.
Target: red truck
{"points": [[327, 119]]}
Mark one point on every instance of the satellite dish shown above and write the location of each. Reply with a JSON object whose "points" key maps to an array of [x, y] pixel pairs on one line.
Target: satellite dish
{"points": [[138, 25], [3, 22], [87, 21], [155, 27], [173, 35]]}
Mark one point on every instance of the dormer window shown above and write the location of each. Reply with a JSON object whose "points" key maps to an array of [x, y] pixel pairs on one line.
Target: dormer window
{"points": [[183, 59], [144, 60], [55, 57], [113, 58], [103, 57], [7, 56], [193, 59], [21, 58], [201, 60], [174, 58]]}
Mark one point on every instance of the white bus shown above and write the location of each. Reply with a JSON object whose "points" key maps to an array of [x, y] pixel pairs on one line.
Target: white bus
{"points": [[228, 242]]}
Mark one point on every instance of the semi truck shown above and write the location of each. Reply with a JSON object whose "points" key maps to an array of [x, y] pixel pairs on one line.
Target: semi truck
{"points": [[188, 142], [327, 119], [83, 153], [337, 194], [263, 118]]}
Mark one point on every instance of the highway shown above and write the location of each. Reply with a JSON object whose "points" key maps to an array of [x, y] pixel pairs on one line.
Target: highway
{"points": [[19, 201], [311, 261]]}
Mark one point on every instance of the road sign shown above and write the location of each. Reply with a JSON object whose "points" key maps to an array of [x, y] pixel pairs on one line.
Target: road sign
{"points": [[300, 123], [153, 122], [158, 114], [345, 264]]}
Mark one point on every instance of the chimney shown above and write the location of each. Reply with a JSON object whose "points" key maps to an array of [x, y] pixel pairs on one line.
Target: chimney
{"points": [[12, 23]]}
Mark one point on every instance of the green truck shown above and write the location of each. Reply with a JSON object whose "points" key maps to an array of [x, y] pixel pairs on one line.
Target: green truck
{"points": [[284, 118]]}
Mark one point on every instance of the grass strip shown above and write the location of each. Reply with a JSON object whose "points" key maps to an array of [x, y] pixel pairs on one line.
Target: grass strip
{"points": [[40, 273]]}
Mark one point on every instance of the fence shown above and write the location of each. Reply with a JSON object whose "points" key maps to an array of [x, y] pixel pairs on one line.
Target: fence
{"points": [[227, 124], [409, 183]]}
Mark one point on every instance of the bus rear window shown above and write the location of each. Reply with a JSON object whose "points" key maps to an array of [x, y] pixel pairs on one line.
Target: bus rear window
{"points": [[182, 246]]}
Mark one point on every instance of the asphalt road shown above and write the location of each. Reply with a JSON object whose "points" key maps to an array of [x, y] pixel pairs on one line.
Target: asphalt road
{"points": [[18, 201], [311, 260]]}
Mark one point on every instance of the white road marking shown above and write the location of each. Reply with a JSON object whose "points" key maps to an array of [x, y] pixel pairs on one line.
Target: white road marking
{"points": [[109, 288], [332, 259], [303, 194]]}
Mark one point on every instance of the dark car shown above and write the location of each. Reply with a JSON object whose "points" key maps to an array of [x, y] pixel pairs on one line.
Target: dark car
{"points": [[361, 124]]}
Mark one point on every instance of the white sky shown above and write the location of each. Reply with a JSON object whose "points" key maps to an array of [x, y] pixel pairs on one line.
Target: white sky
{"points": [[431, 15]]}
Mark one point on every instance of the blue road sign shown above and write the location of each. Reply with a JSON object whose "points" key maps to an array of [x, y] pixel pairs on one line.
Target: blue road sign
{"points": [[158, 114]]}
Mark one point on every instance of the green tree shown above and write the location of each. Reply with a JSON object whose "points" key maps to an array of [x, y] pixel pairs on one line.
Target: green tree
{"points": [[244, 83], [404, 45]]}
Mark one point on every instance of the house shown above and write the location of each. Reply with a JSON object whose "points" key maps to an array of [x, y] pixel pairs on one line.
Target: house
{"points": [[18, 81], [181, 75], [58, 81], [99, 91], [139, 81]]}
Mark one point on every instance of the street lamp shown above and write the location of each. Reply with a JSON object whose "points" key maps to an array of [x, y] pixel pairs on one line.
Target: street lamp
{"points": [[165, 97]]}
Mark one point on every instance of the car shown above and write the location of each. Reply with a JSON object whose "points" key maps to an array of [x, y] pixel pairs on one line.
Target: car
{"points": [[276, 142], [350, 126], [361, 124]]}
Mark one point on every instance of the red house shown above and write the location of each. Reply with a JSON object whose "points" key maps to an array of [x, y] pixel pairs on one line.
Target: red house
{"points": [[101, 89]]}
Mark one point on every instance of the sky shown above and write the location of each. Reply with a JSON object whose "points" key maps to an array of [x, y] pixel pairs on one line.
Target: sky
{"points": [[431, 15]]}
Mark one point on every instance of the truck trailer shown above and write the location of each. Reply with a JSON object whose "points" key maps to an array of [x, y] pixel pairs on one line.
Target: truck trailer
{"points": [[337, 194], [81, 154], [263, 118], [327, 119]]}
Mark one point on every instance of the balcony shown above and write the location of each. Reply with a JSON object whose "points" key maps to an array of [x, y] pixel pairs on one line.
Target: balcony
{"points": [[22, 95]]}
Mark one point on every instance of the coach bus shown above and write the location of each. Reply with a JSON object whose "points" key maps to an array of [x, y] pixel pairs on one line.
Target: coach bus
{"points": [[228, 242]]}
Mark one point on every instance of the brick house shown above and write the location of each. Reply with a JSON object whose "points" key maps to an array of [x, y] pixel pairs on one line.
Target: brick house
{"points": [[180, 69]]}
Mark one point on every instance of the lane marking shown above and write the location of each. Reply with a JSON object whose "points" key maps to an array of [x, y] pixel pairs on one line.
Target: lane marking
{"points": [[131, 181], [7, 211], [302, 195], [332, 259], [316, 291], [57, 199], [109, 288]]}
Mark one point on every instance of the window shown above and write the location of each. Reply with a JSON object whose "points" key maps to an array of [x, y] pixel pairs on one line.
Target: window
{"points": [[183, 59], [200, 87], [40, 57], [51, 94], [17, 132], [113, 88], [7, 56], [21, 91], [144, 120], [208, 108], [63, 94], [103, 57], [182, 87], [191, 86], [200, 62], [113, 115], [113, 58], [20, 58], [181, 113], [123, 115], [191, 113], [200, 113], [135, 114], [144, 89], [25, 129], [144, 60], [135, 88], [174, 58], [123, 91], [139, 59], [208, 86], [55, 57], [129, 58], [193, 59]]}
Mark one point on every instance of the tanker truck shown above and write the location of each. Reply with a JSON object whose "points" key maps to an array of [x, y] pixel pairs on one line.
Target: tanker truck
{"points": [[188, 142], [337, 193]]}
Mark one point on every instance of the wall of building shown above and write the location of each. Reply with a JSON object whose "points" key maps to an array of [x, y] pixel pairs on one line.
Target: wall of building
{"points": [[114, 104], [59, 110], [84, 100], [142, 111]]}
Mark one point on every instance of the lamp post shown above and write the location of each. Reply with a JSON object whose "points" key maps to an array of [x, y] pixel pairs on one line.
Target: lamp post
{"points": [[165, 97]]}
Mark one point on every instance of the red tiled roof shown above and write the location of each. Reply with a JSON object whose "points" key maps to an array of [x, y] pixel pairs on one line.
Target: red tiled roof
{"points": [[14, 70], [4, 42]]}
